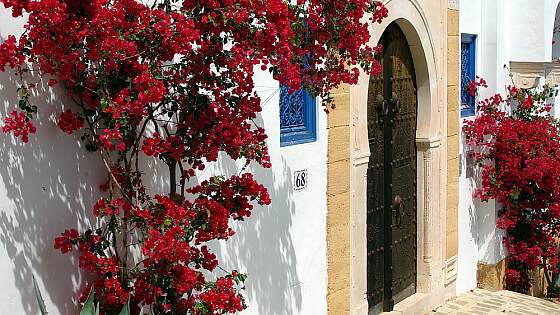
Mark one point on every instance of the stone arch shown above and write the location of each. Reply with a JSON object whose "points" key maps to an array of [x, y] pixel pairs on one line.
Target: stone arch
{"points": [[426, 112], [408, 14], [555, 29]]}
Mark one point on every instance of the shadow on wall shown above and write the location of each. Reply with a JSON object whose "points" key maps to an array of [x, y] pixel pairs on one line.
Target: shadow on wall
{"points": [[473, 175], [48, 188], [263, 246], [482, 215], [51, 183]]}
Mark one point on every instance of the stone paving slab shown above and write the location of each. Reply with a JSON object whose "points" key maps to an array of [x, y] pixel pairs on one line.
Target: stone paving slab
{"points": [[483, 302]]}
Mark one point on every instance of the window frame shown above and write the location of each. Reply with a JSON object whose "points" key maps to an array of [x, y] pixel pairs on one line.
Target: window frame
{"points": [[305, 133], [470, 40]]}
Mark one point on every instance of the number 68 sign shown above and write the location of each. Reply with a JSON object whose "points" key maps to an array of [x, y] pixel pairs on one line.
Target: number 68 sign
{"points": [[301, 178]]}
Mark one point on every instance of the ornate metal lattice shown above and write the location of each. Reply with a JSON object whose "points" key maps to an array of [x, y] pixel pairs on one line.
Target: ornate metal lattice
{"points": [[298, 121], [292, 107], [467, 74]]}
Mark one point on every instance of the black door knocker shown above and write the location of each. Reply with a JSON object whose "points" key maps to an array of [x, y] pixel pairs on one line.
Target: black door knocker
{"points": [[398, 207]]}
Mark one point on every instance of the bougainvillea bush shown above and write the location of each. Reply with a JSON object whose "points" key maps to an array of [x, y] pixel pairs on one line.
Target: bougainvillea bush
{"points": [[173, 80], [519, 152]]}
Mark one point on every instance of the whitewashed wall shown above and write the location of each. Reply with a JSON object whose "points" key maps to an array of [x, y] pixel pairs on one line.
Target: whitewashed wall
{"points": [[50, 184], [507, 30], [556, 36], [283, 247], [469, 22]]}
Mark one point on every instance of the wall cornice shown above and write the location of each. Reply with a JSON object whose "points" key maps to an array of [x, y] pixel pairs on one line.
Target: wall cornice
{"points": [[528, 75]]}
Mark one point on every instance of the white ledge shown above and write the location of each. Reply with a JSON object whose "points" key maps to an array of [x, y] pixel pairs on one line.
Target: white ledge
{"points": [[528, 75]]}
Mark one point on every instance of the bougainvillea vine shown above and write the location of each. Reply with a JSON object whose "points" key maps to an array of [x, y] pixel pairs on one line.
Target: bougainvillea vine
{"points": [[173, 80], [518, 145]]}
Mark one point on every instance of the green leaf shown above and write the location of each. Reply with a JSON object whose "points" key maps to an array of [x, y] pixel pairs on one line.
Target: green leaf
{"points": [[89, 307], [167, 222], [202, 308], [126, 308], [39, 297], [104, 103]]}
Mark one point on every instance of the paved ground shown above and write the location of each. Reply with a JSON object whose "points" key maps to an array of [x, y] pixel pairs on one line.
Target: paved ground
{"points": [[482, 302]]}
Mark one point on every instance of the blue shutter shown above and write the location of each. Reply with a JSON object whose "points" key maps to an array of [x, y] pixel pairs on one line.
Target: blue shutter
{"points": [[297, 117], [468, 68]]}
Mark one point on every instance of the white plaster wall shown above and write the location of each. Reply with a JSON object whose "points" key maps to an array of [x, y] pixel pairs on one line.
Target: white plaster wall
{"points": [[530, 28], [556, 38], [479, 241], [551, 40], [507, 30], [283, 247], [45, 183], [491, 58], [526, 30], [553, 34]]}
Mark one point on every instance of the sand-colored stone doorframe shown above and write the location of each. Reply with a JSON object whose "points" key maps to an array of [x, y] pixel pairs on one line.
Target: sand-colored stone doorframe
{"points": [[431, 234], [348, 155]]}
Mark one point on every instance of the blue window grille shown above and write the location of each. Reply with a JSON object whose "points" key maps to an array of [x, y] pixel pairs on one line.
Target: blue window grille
{"points": [[297, 117], [468, 68]]}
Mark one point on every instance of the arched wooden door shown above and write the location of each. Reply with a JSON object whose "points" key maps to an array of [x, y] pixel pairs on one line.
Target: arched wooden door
{"points": [[391, 181]]}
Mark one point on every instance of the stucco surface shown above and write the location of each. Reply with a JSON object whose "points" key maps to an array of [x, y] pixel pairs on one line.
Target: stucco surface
{"points": [[51, 183], [506, 31]]}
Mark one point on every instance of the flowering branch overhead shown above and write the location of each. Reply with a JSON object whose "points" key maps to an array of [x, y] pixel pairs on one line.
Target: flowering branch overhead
{"points": [[173, 80]]}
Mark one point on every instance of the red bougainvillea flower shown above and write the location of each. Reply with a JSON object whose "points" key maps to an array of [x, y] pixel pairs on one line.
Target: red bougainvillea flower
{"points": [[172, 82], [473, 86], [520, 169], [69, 121], [66, 240], [19, 125], [111, 139], [10, 54]]}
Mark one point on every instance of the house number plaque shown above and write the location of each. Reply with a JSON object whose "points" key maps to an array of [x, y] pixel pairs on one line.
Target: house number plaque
{"points": [[301, 178]]}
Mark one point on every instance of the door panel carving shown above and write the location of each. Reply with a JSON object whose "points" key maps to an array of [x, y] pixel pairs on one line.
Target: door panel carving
{"points": [[375, 188], [392, 228]]}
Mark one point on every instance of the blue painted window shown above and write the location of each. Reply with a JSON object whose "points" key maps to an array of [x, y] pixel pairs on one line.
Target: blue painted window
{"points": [[468, 68], [298, 119]]}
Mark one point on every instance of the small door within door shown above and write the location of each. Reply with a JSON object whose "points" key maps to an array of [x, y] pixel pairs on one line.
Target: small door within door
{"points": [[391, 181]]}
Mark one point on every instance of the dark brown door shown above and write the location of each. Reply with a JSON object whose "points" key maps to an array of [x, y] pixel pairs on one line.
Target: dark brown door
{"points": [[391, 184]]}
